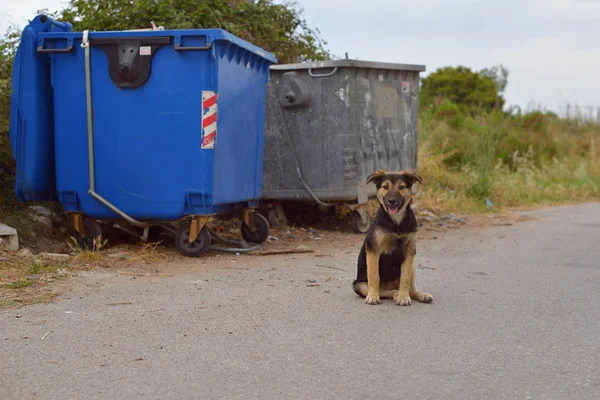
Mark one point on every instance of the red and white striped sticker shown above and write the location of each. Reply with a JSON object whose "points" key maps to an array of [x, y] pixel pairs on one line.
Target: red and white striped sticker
{"points": [[209, 119]]}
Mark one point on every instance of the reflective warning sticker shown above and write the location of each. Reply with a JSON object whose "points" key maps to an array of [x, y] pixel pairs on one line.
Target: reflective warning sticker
{"points": [[209, 119]]}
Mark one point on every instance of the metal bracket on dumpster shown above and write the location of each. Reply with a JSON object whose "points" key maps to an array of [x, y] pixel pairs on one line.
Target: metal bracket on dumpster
{"points": [[130, 58], [77, 221], [85, 44], [196, 225], [249, 218]]}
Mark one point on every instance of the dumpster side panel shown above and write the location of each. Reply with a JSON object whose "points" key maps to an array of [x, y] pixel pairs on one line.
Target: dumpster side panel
{"points": [[279, 165], [321, 142], [386, 122], [70, 128], [31, 118], [309, 136], [239, 141], [338, 125]]}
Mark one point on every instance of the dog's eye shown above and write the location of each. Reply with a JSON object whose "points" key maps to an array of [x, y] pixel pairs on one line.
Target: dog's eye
{"points": [[401, 187], [386, 187]]}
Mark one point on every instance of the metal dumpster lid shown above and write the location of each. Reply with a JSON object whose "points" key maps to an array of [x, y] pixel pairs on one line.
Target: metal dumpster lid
{"points": [[349, 64]]}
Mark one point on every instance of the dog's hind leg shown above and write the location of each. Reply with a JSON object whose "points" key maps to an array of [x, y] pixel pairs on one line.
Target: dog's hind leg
{"points": [[388, 293], [415, 294], [362, 289]]}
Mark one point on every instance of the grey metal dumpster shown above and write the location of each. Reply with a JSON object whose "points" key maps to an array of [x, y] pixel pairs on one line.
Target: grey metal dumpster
{"points": [[331, 124]]}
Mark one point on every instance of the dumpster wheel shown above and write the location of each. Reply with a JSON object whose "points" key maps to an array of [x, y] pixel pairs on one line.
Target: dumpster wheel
{"points": [[361, 222], [86, 231], [260, 233], [276, 216], [195, 249]]}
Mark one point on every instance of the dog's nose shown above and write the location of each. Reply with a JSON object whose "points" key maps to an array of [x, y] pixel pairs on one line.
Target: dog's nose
{"points": [[392, 202]]}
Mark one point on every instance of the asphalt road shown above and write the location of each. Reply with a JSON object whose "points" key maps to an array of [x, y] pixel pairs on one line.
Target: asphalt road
{"points": [[516, 315]]}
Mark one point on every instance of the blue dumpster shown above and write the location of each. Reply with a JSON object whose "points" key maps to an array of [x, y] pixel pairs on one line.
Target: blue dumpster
{"points": [[156, 127], [31, 115]]}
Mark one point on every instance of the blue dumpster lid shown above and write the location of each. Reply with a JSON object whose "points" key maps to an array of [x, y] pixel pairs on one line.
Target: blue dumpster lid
{"points": [[349, 64], [211, 35]]}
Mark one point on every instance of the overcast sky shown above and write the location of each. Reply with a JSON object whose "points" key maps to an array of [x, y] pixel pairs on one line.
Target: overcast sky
{"points": [[551, 47]]}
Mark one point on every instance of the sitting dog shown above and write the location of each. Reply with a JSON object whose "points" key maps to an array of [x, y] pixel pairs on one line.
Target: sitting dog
{"points": [[385, 263]]}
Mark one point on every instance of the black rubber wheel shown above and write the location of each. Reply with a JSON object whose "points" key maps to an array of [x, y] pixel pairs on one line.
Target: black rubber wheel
{"points": [[92, 229], [358, 226], [276, 218], [261, 230], [188, 249]]}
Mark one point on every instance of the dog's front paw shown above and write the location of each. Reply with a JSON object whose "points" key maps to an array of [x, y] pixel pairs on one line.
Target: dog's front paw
{"points": [[403, 300], [372, 299]]}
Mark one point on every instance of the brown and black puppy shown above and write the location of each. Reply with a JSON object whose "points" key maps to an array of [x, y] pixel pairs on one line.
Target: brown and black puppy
{"points": [[385, 263]]}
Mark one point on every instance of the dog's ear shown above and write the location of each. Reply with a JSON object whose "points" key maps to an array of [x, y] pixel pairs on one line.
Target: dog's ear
{"points": [[412, 177], [376, 176]]}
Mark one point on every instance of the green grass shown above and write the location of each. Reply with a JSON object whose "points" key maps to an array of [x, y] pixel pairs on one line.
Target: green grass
{"points": [[41, 267], [15, 269], [18, 284], [512, 160]]}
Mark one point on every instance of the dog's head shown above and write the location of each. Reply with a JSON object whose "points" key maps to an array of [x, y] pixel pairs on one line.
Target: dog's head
{"points": [[394, 189]]}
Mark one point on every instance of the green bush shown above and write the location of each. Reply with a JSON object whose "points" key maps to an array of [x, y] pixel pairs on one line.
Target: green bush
{"points": [[472, 92]]}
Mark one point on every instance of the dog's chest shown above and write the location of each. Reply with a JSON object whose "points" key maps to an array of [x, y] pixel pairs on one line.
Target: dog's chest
{"points": [[389, 242]]}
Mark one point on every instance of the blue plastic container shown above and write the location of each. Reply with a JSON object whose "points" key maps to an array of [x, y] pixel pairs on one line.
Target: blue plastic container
{"points": [[31, 114], [178, 122]]}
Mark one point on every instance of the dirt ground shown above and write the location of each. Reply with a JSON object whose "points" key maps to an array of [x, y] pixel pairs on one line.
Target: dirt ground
{"points": [[48, 265]]}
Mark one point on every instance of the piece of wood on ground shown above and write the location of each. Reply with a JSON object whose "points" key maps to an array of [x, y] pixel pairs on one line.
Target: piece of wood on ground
{"points": [[297, 250]]}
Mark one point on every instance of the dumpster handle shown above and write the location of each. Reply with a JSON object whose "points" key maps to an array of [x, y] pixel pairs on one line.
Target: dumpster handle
{"points": [[298, 170], [85, 44], [179, 47], [41, 49], [322, 75]]}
